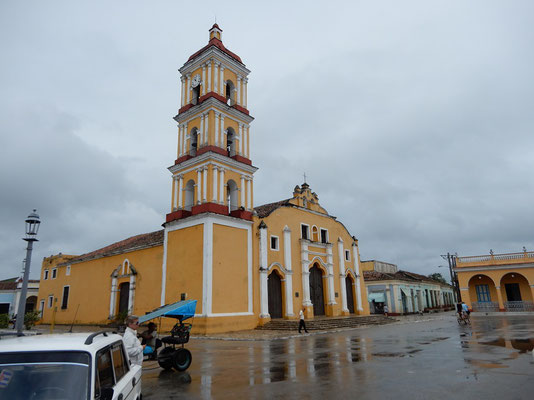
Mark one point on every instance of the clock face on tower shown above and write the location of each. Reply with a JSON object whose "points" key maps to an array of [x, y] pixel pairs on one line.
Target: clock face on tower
{"points": [[196, 81]]}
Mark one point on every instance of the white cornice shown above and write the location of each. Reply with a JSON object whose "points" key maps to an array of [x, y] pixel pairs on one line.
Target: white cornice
{"points": [[224, 162], [212, 103], [493, 267], [212, 52]]}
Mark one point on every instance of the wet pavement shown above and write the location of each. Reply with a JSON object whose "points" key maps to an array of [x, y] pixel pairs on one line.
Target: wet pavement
{"points": [[432, 358]]}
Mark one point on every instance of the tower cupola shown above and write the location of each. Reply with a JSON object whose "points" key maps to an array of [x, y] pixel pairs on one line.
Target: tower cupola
{"points": [[215, 32]]}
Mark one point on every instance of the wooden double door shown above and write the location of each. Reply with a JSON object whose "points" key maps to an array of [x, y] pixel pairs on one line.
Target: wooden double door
{"points": [[316, 290], [274, 290]]}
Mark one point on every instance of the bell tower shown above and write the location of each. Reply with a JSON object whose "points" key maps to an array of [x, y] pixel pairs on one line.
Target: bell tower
{"points": [[207, 252]]}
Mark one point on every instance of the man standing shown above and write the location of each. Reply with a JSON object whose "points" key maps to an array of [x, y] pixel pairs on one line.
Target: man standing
{"points": [[302, 324], [132, 344]]}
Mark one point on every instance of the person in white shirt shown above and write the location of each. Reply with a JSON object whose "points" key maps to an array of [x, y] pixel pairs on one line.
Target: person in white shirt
{"points": [[132, 343], [302, 324]]}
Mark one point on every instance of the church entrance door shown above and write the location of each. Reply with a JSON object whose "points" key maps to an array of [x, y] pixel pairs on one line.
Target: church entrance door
{"points": [[124, 292], [274, 288], [350, 296], [316, 290]]}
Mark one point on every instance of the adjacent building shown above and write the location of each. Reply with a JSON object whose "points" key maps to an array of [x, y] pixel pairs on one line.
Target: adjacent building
{"points": [[10, 292], [404, 292]]}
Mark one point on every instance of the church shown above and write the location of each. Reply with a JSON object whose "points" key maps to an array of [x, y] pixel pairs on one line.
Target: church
{"points": [[243, 264]]}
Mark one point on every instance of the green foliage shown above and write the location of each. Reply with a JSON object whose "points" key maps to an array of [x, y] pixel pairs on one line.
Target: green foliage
{"points": [[437, 277], [31, 318], [4, 321], [120, 317]]}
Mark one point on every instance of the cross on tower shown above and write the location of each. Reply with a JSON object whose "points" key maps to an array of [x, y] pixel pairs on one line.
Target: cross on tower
{"points": [[304, 177]]}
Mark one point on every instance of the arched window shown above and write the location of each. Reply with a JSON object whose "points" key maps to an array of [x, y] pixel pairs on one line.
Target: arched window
{"points": [[230, 92], [231, 195], [189, 195], [230, 142], [196, 95], [315, 234], [193, 137]]}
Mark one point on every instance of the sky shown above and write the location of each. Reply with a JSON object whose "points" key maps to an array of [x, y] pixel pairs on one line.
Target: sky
{"points": [[412, 120]]}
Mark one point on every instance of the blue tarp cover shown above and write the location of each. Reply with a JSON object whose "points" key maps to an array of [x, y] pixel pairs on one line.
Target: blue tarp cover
{"points": [[181, 310]]}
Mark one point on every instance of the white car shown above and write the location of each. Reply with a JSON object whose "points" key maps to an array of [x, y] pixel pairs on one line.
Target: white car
{"points": [[67, 366]]}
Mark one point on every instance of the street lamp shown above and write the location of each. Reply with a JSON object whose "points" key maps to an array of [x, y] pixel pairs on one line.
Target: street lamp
{"points": [[32, 227]]}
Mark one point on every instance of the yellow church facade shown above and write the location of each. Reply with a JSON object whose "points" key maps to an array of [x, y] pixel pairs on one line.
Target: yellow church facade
{"points": [[243, 264]]}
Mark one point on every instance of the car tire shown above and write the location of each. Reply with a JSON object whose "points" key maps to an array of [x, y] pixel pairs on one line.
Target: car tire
{"points": [[182, 359], [165, 358]]}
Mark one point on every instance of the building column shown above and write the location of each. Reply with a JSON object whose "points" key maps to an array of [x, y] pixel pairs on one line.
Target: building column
{"points": [[330, 278], [249, 193], [499, 298], [199, 185], [221, 82], [201, 136], [221, 187], [179, 146], [182, 99], [216, 76], [203, 79], [238, 148], [175, 192], [305, 274], [206, 128], [238, 97], [205, 185], [214, 170], [289, 274], [357, 272], [131, 294], [217, 115], [242, 189], [245, 81], [113, 296], [264, 294], [247, 147], [180, 191], [188, 89], [342, 277], [209, 76]]}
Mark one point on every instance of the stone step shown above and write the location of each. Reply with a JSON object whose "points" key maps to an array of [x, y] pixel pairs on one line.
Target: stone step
{"points": [[326, 323]]}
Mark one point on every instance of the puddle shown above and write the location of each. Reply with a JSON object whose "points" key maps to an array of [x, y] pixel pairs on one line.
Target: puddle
{"points": [[523, 345], [484, 364], [388, 354]]}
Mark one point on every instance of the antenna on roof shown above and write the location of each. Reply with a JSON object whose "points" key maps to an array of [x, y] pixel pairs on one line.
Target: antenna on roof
{"points": [[215, 18]]}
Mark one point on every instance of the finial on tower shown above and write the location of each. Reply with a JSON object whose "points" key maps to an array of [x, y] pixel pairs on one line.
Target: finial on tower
{"points": [[215, 31]]}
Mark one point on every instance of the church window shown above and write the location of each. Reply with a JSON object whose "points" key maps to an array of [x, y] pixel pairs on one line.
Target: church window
{"points": [[274, 243], [41, 307], [195, 95], [67, 270], [305, 231], [347, 255], [324, 236], [189, 195], [230, 92], [45, 274], [230, 142], [315, 234], [65, 300], [54, 273], [194, 142], [50, 301], [231, 195]]}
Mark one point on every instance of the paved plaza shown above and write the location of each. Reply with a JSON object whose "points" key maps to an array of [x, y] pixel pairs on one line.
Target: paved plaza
{"points": [[415, 358]]}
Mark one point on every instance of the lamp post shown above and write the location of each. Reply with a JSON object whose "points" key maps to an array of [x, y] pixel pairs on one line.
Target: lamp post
{"points": [[32, 227]]}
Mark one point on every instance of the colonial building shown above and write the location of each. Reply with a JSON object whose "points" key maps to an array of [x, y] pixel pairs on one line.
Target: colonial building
{"points": [[497, 282], [244, 265], [402, 291], [10, 291]]}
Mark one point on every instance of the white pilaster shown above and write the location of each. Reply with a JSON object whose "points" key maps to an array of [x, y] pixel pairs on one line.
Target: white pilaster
{"points": [[112, 297], [217, 115], [188, 89], [199, 185], [206, 128], [305, 273], [238, 97], [131, 294], [330, 278], [207, 267], [209, 76], [175, 191], [264, 299], [205, 185], [180, 191], [214, 170], [221, 82], [221, 187], [247, 139], [203, 79], [342, 285], [239, 149], [179, 145], [249, 194], [289, 269], [357, 272], [216, 77], [245, 81], [184, 140], [242, 190], [182, 79], [201, 138]]}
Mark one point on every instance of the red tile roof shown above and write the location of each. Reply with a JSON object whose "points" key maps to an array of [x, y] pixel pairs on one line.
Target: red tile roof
{"points": [[132, 243], [8, 285], [266, 209], [398, 276], [219, 44]]}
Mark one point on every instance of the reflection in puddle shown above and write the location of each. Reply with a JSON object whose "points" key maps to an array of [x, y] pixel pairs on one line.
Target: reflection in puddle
{"points": [[523, 345], [484, 364]]}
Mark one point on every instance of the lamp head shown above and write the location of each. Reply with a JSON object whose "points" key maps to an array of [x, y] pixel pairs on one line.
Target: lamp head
{"points": [[32, 226]]}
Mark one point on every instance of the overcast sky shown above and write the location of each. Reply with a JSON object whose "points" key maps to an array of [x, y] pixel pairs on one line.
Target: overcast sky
{"points": [[413, 120]]}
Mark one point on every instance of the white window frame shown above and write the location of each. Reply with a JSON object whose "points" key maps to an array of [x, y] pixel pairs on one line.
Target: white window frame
{"points": [[46, 273], [50, 301], [62, 297], [320, 238], [41, 307], [309, 232], [67, 271], [347, 255], [54, 273], [277, 248]]}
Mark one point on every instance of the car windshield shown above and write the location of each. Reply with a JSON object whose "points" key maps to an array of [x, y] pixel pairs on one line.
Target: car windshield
{"points": [[44, 376]]}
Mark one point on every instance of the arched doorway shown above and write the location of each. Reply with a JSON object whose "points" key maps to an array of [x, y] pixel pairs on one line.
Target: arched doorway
{"points": [[274, 290], [483, 294], [124, 292], [189, 195], [31, 302], [349, 284], [516, 292], [231, 195], [316, 290]]}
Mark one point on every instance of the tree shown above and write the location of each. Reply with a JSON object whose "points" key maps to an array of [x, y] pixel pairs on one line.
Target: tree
{"points": [[437, 277]]}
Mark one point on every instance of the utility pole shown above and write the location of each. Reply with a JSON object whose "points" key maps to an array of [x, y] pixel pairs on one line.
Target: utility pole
{"points": [[451, 259]]}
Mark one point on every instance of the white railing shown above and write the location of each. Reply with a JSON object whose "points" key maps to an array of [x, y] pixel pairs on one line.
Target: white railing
{"points": [[518, 306], [491, 257], [485, 306]]}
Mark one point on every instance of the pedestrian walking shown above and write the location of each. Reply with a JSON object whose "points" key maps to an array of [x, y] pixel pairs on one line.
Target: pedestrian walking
{"points": [[302, 324], [386, 310]]}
